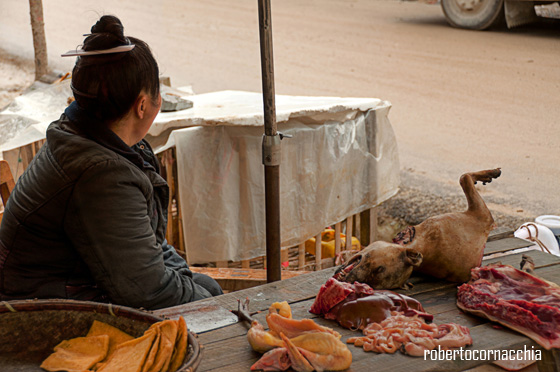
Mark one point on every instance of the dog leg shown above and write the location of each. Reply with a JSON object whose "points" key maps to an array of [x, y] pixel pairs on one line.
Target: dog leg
{"points": [[475, 202]]}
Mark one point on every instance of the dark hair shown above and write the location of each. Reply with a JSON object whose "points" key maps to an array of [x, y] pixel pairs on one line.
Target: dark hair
{"points": [[107, 85]]}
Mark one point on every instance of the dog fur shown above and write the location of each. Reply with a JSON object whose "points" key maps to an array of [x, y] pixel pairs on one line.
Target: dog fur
{"points": [[446, 246]]}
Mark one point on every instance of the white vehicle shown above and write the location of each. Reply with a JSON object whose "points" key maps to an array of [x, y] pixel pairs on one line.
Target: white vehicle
{"points": [[483, 14]]}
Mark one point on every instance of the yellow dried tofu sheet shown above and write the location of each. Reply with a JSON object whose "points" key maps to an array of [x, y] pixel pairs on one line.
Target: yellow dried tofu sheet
{"points": [[180, 350], [129, 356], [162, 348], [168, 334], [151, 358], [116, 336], [78, 354]]}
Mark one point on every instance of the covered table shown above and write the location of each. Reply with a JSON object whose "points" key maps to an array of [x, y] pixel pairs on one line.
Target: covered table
{"points": [[342, 160]]}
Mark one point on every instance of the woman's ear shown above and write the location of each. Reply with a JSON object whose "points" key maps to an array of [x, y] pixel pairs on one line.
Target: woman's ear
{"points": [[140, 106]]}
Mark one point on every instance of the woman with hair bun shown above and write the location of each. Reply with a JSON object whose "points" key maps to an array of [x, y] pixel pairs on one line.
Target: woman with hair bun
{"points": [[87, 219]]}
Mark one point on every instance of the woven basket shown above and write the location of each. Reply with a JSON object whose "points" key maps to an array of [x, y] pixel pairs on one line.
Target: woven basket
{"points": [[30, 329]]}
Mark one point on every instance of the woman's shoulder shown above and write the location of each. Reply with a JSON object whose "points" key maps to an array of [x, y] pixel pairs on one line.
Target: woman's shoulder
{"points": [[74, 152]]}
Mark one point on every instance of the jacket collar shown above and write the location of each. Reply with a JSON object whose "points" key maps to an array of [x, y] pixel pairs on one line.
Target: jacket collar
{"points": [[100, 133]]}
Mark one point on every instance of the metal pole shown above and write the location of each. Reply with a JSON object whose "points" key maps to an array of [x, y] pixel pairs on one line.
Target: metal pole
{"points": [[271, 147]]}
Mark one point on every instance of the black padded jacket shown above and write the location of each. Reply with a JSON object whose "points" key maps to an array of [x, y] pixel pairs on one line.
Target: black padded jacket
{"points": [[87, 221]]}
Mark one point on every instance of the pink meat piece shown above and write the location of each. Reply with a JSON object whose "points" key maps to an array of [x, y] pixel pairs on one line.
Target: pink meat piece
{"points": [[330, 294], [358, 313], [452, 335], [274, 360], [511, 284], [413, 349], [515, 299], [422, 314], [411, 335], [363, 290], [356, 305], [389, 320]]}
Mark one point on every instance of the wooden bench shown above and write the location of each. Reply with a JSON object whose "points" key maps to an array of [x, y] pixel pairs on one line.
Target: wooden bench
{"points": [[231, 279]]}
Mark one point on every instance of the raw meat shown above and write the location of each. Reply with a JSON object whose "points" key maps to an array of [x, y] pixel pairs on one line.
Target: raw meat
{"points": [[313, 351], [515, 299], [302, 344], [356, 305], [411, 335], [330, 294], [389, 321]]}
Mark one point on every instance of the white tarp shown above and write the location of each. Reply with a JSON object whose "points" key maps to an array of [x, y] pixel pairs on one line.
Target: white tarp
{"points": [[342, 159], [26, 118]]}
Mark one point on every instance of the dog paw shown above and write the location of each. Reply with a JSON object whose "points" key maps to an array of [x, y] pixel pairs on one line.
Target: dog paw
{"points": [[486, 176], [407, 286]]}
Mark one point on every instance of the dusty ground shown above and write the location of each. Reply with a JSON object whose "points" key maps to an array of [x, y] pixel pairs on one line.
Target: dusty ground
{"points": [[16, 74], [462, 100]]}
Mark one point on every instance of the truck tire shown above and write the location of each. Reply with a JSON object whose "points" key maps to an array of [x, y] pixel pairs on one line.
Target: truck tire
{"points": [[473, 14]]}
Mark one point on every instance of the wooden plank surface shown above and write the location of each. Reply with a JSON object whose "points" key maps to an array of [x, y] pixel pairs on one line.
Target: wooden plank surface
{"points": [[500, 233], [504, 245], [540, 259], [233, 279], [227, 349], [292, 290], [236, 355], [295, 289]]}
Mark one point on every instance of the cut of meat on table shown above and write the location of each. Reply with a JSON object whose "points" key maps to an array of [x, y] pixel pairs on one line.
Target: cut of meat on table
{"points": [[280, 321], [354, 306], [411, 335], [330, 294], [390, 322], [300, 344], [515, 299], [315, 351]]}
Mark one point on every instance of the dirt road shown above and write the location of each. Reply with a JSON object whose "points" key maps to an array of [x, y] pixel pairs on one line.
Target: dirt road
{"points": [[462, 100]]}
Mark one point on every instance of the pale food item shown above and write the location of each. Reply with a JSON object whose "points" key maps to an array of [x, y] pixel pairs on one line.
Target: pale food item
{"points": [[180, 349], [116, 336], [129, 356], [78, 354], [162, 348], [302, 344]]}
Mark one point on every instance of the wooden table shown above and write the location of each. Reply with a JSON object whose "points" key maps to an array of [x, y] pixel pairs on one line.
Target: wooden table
{"points": [[227, 349]]}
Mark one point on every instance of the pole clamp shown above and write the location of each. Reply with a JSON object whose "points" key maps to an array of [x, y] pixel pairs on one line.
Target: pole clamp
{"points": [[271, 149]]}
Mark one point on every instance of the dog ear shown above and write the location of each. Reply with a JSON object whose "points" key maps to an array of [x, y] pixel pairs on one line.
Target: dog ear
{"points": [[412, 257]]}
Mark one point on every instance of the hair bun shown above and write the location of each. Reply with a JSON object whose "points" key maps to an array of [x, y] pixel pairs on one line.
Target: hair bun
{"points": [[108, 32], [109, 24]]}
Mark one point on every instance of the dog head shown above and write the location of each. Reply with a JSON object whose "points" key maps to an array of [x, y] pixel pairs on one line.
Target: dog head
{"points": [[381, 265]]}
